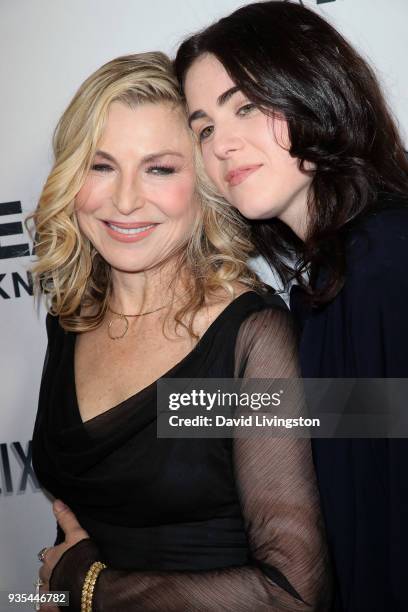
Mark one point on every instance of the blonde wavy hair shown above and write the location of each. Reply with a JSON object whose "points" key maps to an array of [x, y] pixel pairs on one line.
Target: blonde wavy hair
{"points": [[68, 270]]}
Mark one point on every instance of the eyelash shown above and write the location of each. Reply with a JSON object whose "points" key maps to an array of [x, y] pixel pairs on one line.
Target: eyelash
{"points": [[155, 170], [162, 170], [247, 108], [101, 168], [201, 136]]}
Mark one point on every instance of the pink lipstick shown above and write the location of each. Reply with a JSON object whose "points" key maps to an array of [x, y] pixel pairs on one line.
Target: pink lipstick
{"points": [[238, 175], [129, 232]]}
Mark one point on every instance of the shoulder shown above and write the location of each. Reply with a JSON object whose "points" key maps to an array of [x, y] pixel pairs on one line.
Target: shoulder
{"points": [[250, 310], [377, 244], [233, 310], [265, 310], [267, 342], [51, 324], [54, 330], [388, 218], [269, 320]]}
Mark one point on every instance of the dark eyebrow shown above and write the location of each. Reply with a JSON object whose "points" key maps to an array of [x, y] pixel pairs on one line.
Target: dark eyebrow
{"points": [[222, 99], [146, 159]]}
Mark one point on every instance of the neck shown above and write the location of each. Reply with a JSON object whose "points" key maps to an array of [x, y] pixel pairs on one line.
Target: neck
{"points": [[297, 215], [134, 292]]}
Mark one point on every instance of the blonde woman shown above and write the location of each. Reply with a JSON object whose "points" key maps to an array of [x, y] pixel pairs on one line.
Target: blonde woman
{"points": [[145, 274]]}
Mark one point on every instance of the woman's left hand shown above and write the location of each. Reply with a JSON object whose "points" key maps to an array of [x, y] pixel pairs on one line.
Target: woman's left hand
{"points": [[73, 534]]}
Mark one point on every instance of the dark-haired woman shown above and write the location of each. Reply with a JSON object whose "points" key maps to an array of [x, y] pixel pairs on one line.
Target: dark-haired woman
{"points": [[295, 134]]}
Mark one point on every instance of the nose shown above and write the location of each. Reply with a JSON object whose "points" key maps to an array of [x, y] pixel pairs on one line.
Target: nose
{"points": [[128, 196], [226, 142]]}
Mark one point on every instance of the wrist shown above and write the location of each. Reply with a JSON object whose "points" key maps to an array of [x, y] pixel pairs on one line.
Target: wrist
{"points": [[89, 585], [70, 571]]}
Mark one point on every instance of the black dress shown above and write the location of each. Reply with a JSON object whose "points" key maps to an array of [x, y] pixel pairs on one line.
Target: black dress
{"points": [[185, 524], [363, 483]]}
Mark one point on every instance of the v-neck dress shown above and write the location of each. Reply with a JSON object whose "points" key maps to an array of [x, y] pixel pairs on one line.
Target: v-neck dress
{"points": [[184, 524]]}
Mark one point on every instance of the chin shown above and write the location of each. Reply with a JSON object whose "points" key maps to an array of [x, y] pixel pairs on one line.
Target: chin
{"points": [[125, 264], [125, 269], [254, 212]]}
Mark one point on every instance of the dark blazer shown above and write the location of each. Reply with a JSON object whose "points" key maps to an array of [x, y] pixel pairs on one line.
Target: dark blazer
{"points": [[363, 483]]}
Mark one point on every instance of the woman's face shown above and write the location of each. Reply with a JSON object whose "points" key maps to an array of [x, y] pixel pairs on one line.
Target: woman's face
{"points": [[245, 152], [138, 203]]}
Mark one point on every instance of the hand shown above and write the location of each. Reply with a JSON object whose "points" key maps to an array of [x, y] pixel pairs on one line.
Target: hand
{"points": [[73, 534]]}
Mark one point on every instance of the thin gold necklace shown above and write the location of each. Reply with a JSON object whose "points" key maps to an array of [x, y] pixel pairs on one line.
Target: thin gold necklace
{"points": [[124, 318]]}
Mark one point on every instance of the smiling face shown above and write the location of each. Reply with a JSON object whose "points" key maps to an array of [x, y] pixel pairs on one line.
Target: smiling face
{"points": [[245, 152], [138, 204]]}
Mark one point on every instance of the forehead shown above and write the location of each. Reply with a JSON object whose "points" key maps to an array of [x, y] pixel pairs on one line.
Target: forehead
{"points": [[147, 124], [205, 80]]}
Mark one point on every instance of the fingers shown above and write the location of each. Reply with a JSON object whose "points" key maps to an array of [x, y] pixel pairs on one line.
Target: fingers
{"points": [[43, 589], [68, 522], [45, 571], [65, 517], [43, 574], [47, 607]]}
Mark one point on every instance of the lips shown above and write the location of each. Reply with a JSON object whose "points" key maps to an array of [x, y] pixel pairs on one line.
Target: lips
{"points": [[129, 232], [238, 175]]}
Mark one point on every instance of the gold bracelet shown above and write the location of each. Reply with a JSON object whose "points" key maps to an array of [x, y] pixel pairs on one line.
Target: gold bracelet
{"points": [[89, 585]]}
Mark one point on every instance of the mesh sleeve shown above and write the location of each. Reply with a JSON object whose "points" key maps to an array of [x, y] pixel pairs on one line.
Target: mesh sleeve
{"points": [[276, 482]]}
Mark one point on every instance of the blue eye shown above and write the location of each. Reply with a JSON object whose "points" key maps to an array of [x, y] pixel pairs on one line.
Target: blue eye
{"points": [[246, 109], [206, 132], [161, 170], [101, 167]]}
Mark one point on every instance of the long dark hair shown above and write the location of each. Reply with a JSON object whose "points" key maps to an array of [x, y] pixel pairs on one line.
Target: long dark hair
{"points": [[287, 59]]}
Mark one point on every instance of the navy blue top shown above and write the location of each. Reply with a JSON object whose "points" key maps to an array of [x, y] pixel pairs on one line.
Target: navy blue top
{"points": [[363, 483]]}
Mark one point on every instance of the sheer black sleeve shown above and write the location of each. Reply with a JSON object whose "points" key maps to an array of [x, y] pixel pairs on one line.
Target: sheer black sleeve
{"points": [[276, 483]]}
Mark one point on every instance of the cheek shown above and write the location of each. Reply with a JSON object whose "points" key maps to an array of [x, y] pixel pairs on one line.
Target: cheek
{"points": [[293, 173], [178, 200], [88, 197], [85, 201], [280, 133]]}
